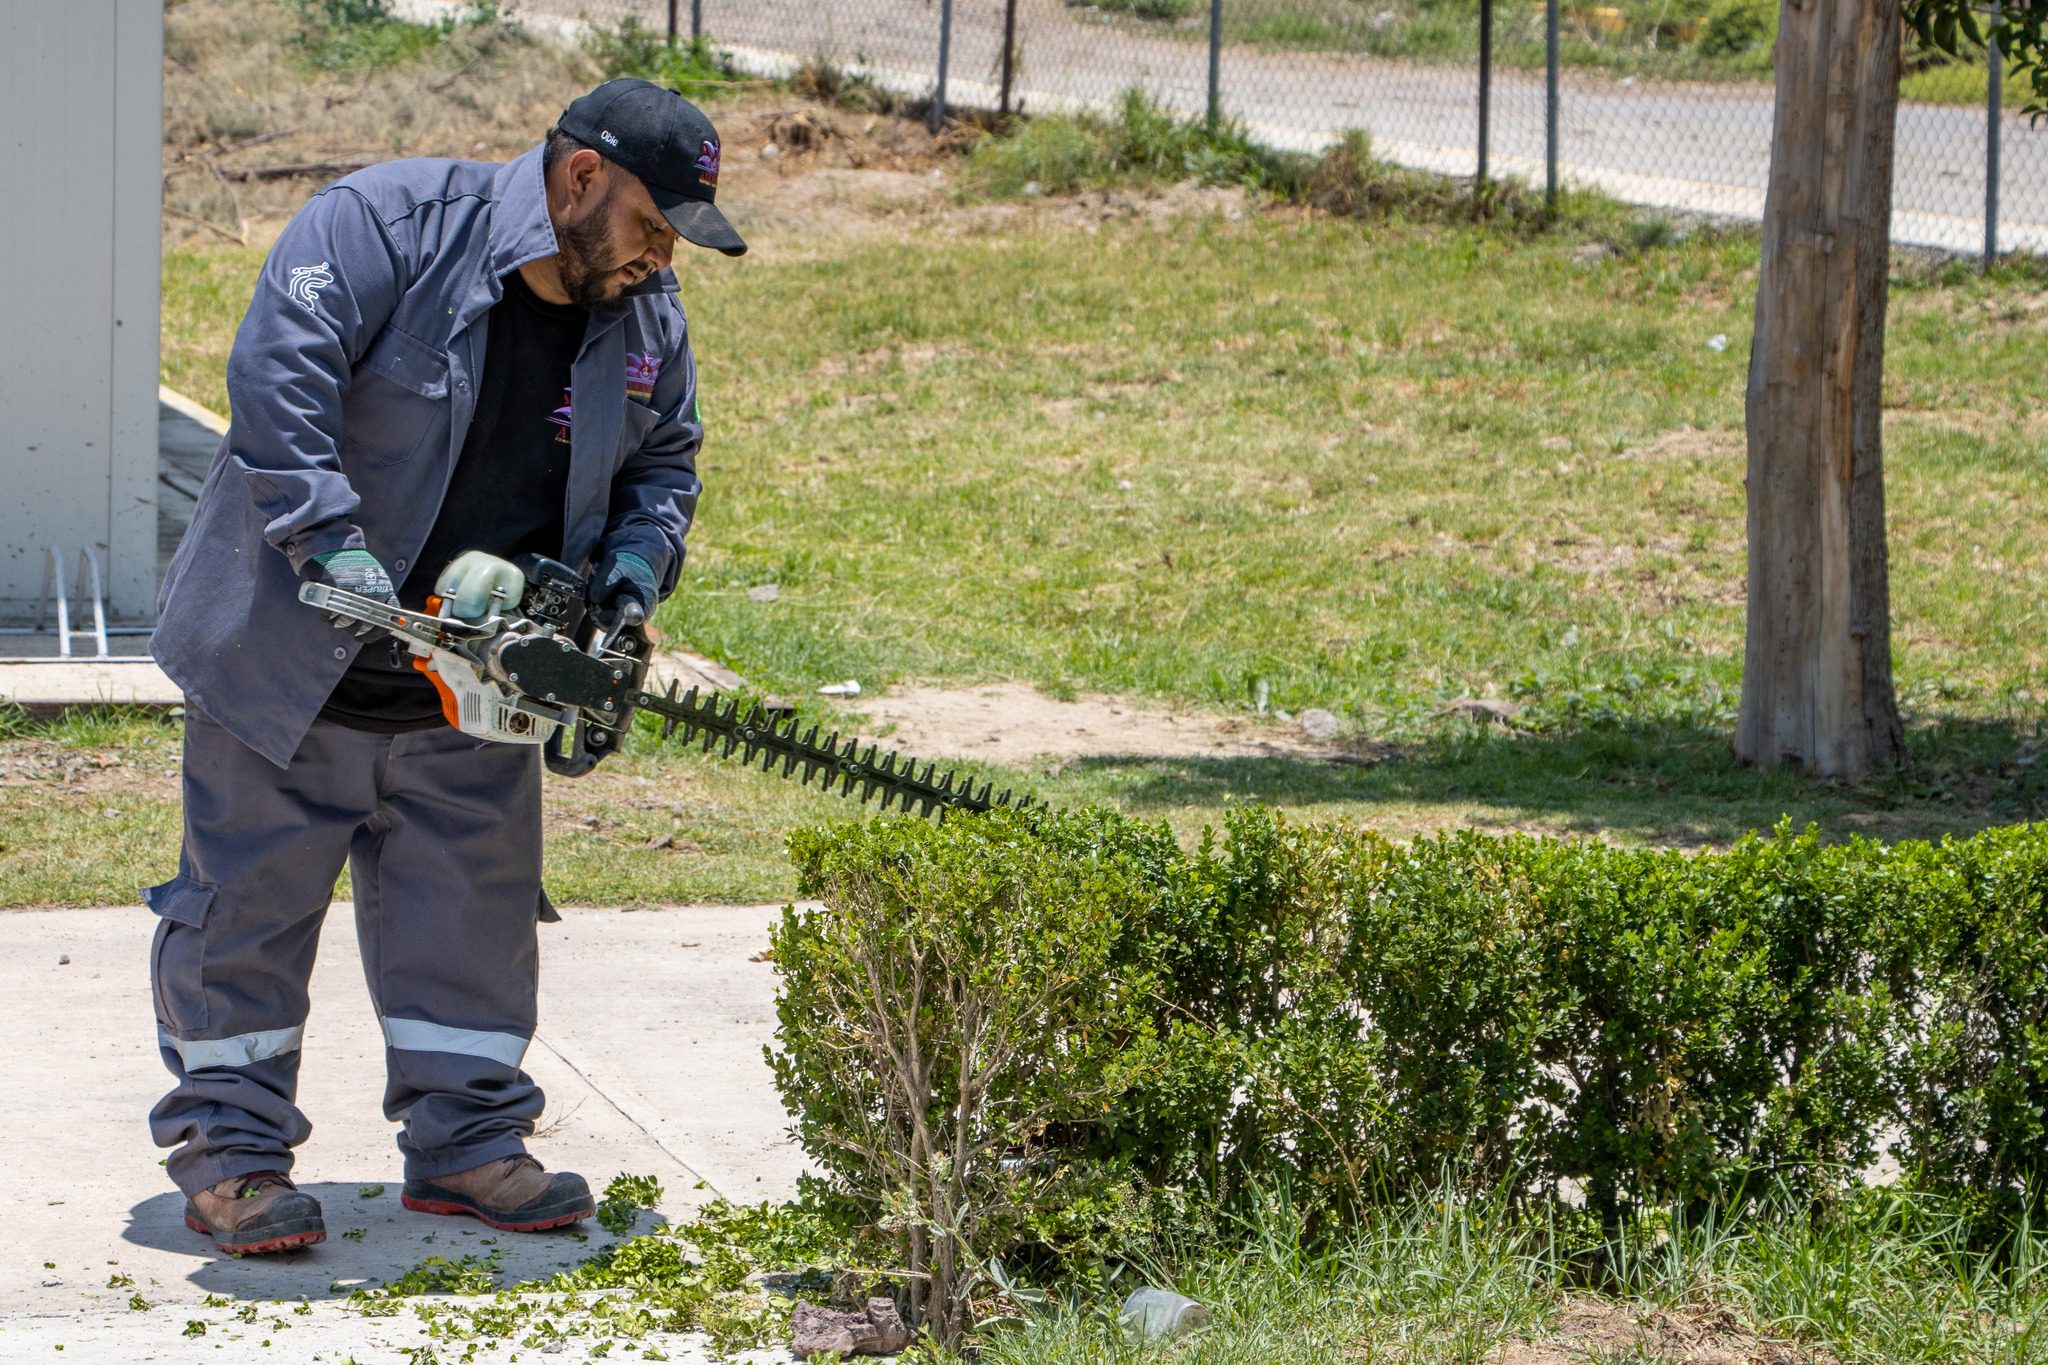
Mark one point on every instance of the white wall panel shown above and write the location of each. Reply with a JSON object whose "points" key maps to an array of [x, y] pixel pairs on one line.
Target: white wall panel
{"points": [[81, 97]]}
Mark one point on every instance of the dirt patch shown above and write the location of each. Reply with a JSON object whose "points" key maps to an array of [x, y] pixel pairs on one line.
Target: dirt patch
{"points": [[45, 768], [1018, 725], [1591, 1330], [1690, 443]]}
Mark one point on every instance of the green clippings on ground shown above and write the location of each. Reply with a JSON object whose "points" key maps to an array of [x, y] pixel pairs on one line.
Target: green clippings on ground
{"points": [[433, 1275], [623, 1200], [676, 1278]]}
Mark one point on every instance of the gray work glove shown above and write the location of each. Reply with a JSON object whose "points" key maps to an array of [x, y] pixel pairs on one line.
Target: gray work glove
{"points": [[623, 589], [356, 571]]}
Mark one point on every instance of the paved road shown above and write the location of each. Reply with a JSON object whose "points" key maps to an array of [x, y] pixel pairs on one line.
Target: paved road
{"points": [[1692, 147]]}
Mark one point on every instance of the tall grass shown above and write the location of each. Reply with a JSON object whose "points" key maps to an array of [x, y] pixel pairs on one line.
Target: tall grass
{"points": [[1892, 1278]]}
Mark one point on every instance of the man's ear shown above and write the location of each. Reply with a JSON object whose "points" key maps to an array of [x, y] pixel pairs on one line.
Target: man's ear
{"points": [[583, 178]]}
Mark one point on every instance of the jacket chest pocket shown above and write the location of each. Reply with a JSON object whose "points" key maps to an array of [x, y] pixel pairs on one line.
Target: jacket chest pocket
{"points": [[397, 402]]}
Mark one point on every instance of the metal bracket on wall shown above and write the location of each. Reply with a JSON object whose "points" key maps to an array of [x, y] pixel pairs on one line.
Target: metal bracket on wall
{"points": [[91, 593]]}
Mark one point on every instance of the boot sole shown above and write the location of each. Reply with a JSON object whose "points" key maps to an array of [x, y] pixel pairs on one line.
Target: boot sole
{"points": [[446, 1206], [285, 1241]]}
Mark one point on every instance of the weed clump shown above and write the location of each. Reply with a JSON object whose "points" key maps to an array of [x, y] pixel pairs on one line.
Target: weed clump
{"points": [[631, 48], [354, 36], [1142, 142], [827, 82]]}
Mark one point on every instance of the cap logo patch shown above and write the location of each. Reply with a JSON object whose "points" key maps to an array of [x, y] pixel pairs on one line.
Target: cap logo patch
{"points": [[707, 165], [609, 136]]}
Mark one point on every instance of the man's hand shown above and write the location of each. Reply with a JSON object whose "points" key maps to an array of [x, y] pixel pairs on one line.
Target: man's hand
{"points": [[623, 589], [356, 571]]}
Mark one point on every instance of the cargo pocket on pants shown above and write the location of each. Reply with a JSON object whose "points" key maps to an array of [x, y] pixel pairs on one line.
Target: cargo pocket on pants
{"points": [[177, 962]]}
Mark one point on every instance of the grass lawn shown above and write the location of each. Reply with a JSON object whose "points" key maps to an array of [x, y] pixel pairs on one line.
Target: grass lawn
{"points": [[1370, 468]]}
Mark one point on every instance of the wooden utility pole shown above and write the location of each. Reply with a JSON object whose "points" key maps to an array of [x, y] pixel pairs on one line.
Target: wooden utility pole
{"points": [[1817, 674]]}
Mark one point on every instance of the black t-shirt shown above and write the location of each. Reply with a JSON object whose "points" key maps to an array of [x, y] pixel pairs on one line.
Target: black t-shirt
{"points": [[508, 495]]}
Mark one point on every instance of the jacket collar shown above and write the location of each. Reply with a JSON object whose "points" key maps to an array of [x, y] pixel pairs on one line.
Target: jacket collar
{"points": [[520, 229]]}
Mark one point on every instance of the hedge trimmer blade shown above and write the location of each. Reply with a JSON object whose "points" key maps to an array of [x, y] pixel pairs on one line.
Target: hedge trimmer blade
{"points": [[829, 762]]}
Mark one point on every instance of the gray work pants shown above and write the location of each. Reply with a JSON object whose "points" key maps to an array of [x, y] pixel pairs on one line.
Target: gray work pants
{"points": [[441, 833]]}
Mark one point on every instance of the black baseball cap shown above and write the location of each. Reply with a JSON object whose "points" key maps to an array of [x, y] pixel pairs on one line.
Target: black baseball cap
{"points": [[666, 141]]}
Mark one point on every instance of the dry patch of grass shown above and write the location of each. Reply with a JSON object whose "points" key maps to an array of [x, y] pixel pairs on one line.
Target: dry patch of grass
{"points": [[1597, 1331]]}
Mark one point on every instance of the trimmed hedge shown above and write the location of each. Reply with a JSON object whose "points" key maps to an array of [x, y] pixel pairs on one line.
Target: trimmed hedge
{"points": [[1317, 1005]]}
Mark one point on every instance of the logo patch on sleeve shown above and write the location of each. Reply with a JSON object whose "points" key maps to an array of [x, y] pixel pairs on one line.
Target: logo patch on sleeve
{"points": [[306, 283], [707, 165], [641, 372]]}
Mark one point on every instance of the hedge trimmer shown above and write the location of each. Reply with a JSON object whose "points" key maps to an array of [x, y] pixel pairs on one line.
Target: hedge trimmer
{"points": [[531, 673]]}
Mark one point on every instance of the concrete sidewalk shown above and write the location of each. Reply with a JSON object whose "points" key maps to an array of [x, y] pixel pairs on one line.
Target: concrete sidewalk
{"points": [[652, 1026]]}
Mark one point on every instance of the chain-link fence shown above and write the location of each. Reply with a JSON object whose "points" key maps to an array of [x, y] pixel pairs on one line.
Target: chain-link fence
{"points": [[1665, 103]]}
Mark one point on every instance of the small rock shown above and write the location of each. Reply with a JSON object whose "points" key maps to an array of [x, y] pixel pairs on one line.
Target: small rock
{"points": [[1125, 484], [849, 688], [662, 841], [1317, 723], [879, 1331], [1591, 253], [1717, 343], [1032, 189], [771, 151], [765, 592], [63, 959]]}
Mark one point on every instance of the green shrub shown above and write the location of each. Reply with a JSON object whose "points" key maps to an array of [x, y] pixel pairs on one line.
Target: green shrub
{"points": [[957, 999], [1736, 28], [1973, 1075], [1126, 1035]]}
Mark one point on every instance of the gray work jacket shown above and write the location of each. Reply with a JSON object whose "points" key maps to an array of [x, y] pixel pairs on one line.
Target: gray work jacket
{"points": [[352, 383]]}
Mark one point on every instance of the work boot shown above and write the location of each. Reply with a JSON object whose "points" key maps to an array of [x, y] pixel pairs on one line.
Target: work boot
{"points": [[512, 1194], [250, 1215]]}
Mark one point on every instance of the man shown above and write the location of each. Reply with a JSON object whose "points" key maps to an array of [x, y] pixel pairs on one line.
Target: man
{"points": [[440, 357]]}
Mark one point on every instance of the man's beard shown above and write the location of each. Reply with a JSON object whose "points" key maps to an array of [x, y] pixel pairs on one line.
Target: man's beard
{"points": [[580, 259]]}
